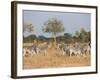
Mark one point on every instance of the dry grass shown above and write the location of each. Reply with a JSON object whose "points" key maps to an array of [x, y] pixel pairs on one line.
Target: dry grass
{"points": [[54, 58]]}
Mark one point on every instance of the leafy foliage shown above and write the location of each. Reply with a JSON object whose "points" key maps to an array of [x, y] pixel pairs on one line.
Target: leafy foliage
{"points": [[53, 26], [28, 27], [83, 35]]}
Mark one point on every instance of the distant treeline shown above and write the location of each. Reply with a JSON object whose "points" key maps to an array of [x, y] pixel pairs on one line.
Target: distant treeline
{"points": [[81, 36]]}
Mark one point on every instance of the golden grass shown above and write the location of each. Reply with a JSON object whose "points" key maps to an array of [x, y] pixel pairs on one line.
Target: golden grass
{"points": [[54, 58]]}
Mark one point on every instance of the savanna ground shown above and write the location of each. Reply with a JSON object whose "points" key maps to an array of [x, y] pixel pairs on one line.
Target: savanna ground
{"points": [[55, 58]]}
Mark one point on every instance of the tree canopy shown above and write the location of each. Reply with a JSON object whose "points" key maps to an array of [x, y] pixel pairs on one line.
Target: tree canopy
{"points": [[28, 27], [53, 26]]}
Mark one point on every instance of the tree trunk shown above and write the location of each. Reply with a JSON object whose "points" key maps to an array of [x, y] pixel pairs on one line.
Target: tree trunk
{"points": [[54, 36], [55, 40]]}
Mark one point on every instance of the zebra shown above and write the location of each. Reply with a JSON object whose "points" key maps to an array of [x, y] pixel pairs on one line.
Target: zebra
{"points": [[75, 51], [65, 50], [43, 48], [30, 50], [86, 49]]}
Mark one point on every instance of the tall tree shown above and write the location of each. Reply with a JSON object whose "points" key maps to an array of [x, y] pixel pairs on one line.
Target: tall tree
{"points": [[83, 35], [53, 26], [28, 27]]}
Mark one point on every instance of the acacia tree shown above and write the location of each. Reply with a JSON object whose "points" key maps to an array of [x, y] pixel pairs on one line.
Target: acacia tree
{"points": [[53, 26], [28, 28], [83, 35]]}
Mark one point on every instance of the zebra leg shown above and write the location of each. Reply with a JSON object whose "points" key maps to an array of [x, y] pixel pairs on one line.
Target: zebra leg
{"points": [[71, 53], [45, 52], [64, 52]]}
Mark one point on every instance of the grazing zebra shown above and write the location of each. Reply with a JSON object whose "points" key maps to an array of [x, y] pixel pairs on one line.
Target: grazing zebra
{"points": [[86, 49], [75, 50], [30, 50], [26, 51], [60, 46], [65, 50], [43, 48]]}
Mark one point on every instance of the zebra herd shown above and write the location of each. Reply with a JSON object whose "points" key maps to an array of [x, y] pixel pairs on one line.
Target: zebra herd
{"points": [[76, 49], [36, 49]]}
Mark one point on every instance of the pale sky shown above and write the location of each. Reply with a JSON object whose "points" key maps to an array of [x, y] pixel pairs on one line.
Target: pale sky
{"points": [[72, 21]]}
